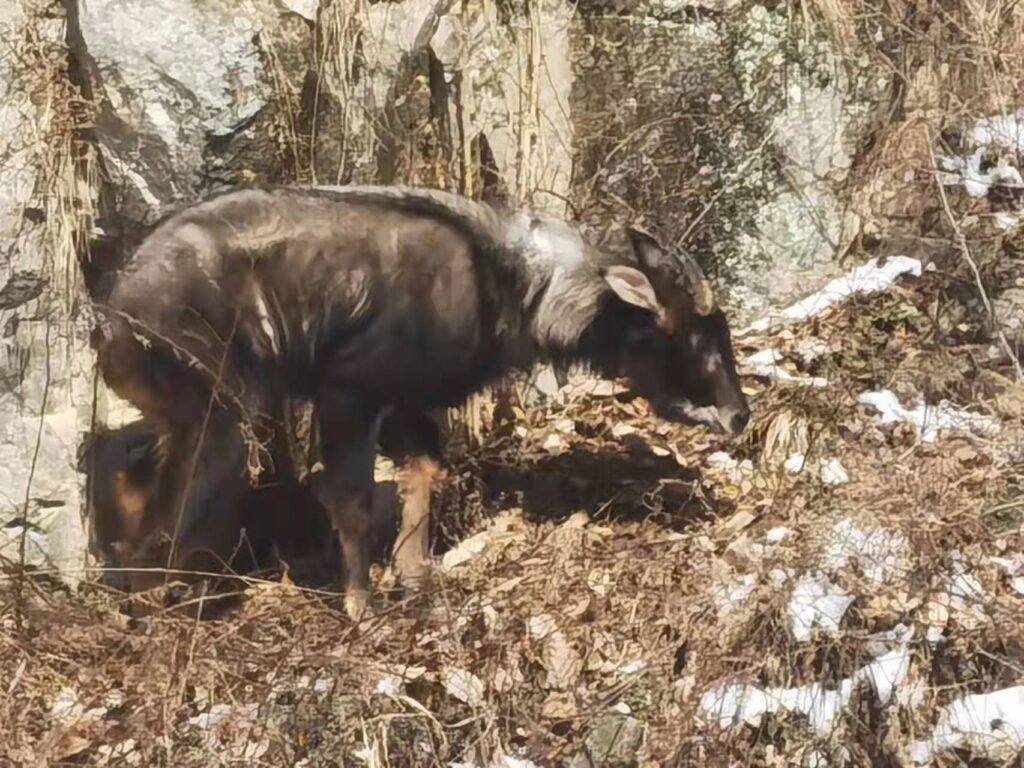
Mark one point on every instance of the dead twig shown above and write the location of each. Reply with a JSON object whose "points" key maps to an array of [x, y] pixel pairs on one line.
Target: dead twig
{"points": [[965, 251]]}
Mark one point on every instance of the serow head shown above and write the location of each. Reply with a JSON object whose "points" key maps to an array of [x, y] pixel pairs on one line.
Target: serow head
{"points": [[677, 349]]}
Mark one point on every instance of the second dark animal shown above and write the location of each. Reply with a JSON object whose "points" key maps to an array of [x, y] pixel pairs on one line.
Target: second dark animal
{"points": [[275, 526]]}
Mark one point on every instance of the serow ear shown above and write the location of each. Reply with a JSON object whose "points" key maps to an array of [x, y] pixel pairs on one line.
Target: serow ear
{"points": [[632, 286], [648, 252]]}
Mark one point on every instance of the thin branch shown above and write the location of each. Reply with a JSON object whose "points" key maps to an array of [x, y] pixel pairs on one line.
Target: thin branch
{"points": [[19, 604], [961, 242]]}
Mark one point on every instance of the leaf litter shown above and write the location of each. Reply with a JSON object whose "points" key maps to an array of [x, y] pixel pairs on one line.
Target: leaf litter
{"points": [[634, 581]]}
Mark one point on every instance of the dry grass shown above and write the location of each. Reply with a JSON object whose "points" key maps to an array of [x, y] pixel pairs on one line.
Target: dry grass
{"points": [[565, 620]]}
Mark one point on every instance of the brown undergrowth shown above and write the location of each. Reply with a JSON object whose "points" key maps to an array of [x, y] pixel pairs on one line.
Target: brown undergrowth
{"points": [[595, 611]]}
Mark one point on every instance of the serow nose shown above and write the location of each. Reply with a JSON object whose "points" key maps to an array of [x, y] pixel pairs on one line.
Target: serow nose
{"points": [[738, 422]]}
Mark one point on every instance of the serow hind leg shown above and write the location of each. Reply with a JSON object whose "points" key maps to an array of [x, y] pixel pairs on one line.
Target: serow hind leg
{"points": [[412, 441], [344, 487]]}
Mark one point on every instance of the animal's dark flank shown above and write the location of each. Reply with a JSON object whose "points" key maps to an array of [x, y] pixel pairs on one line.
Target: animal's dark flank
{"points": [[380, 304]]}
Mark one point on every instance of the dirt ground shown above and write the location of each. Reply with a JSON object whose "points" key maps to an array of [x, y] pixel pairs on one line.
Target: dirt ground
{"points": [[605, 581]]}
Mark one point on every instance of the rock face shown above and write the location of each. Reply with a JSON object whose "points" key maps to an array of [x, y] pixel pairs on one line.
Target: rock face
{"points": [[731, 134], [183, 89], [46, 387], [725, 126]]}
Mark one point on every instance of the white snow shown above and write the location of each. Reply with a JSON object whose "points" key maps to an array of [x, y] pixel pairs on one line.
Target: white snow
{"points": [[965, 586], [390, 685], [817, 603], [67, 708], [832, 472], [810, 349], [886, 672], [732, 704], [990, 724], [868, 278], [1003, 130], [967, 171], [766, 363], [929, 419], [499, 761], [1004, 133], [795, 463], [779, 576], [555, 443], [735, 703], [880, 553]]}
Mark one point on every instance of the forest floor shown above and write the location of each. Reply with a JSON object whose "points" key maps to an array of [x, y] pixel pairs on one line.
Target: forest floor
{"points": [[610, 589]]}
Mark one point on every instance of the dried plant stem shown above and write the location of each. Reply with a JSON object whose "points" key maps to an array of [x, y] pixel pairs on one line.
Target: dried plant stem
{"points": [[965, 251]]}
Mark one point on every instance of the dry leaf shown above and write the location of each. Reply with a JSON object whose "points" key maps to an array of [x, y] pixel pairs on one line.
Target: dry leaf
{"points": [[463, 685], [559, 705], [737, 522], [562, 662]]}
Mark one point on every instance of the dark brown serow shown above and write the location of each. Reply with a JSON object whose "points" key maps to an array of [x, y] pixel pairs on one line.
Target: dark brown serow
{"points": [[279, 525], [380, 304]]}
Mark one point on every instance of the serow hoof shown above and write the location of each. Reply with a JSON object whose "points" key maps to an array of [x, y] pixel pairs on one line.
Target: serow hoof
{"points": [[356, 601]]}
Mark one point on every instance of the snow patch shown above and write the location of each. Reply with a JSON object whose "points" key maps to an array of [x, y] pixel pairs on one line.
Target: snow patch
{"points": [[732, 704], [737, 703], [880, 553], [766, 363], [795, 463], [929, 419], [990, 724], [810, 349], [965, 596], [998, 139], [868, 278], [832, 472], [240, 715], [499, 761], [817, 603], [390, 685]]}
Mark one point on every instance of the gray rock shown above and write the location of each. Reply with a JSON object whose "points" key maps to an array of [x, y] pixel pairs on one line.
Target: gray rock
{"points": [[179, 81], [732, 132], [814, 113], [614, 740], [45, 362]]}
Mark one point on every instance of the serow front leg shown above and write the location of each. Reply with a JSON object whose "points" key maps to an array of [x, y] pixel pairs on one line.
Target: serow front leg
{"points": [[345, 486]]}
